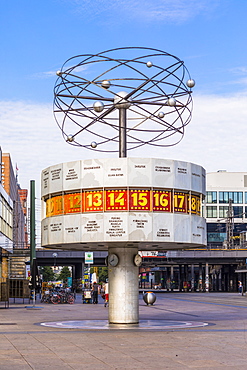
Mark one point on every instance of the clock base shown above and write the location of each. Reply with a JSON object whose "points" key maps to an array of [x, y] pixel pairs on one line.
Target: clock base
{"points": [[123, 287]]}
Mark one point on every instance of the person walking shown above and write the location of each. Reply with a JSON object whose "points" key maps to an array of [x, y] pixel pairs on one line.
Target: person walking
{"points": [[240, 287], [95, 289], [106, 294]]}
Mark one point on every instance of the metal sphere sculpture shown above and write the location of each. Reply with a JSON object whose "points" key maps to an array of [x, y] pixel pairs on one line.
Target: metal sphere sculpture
{"points": [[149, 298], [133, 95]]}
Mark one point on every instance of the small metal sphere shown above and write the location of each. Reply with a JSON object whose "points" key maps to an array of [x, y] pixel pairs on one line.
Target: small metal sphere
{"points": [[59, 73], [149, 64], [106, 84], [171, 102], [93, 144], [120, 102], [190, 83], [161, 114], [70, 138], [98, 106], [149, 298]]}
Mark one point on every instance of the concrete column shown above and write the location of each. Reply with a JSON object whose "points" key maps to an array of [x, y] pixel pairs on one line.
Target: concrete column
{"points": [[78, 271], [200, 278], [168, 278], [172, 277], [180, 279], [186, 278], [73, 272], [123, 287], [206, 278], [219, 281], [192, 277], [162, 280]]}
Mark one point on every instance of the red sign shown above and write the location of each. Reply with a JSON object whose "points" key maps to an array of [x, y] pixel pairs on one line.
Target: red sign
{"points": [[73, 203], [54, 206], [93, 201], [194, 204], [180, 202], [116, 200], [139, 200], [123, 200], [162, 201]]}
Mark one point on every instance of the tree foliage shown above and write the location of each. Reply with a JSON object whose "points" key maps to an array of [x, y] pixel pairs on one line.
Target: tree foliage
{"points": [[47, 273], [64, 274], [103, 274]]}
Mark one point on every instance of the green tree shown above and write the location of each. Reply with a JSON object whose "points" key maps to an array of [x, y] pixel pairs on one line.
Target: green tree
{"points": [[102, 273], [47, 273], [64, 274]]}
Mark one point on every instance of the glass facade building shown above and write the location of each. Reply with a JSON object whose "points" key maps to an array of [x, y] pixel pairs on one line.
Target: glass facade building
{"points": [[225, 203]]}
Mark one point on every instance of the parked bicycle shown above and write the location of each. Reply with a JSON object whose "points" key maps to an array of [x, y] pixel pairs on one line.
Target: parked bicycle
{"points": [[58, 296], [46, 297]]}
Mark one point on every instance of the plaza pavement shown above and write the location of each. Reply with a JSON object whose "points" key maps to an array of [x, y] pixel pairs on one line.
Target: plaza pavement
{"points": [[25, 344]]}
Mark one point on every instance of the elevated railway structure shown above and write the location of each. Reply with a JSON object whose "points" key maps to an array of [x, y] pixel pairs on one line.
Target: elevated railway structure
{"points": [[186, 270]]}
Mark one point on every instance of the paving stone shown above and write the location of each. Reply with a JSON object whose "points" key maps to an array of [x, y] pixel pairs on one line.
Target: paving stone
{"points": [[221, 345]]}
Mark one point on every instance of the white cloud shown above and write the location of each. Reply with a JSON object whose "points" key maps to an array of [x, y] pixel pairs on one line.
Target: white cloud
{"points": [[241, 73], [214, 139], [159, 10], [43, 75], [240, 81], [242, 70], [53, 74]]}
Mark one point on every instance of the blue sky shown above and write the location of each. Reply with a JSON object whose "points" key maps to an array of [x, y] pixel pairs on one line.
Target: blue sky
{"points": [[36, 38]]}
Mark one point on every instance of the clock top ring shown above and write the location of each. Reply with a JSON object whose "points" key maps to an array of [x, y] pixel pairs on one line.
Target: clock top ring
{"points": [[129, 96]]}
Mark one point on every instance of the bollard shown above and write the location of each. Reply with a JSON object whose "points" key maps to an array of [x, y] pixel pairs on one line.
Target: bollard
{"points": [[149, 298]]}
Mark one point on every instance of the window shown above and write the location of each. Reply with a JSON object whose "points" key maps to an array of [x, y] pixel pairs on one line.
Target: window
{"points": [[211, 197], [235, 196], [211, 211], [223, 212], [223, 197], [238, 212], [216, 237]]}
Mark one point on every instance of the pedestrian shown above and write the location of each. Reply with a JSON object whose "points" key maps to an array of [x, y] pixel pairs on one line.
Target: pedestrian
{"points": [[240, 287], [95, 289], [106, 294]]}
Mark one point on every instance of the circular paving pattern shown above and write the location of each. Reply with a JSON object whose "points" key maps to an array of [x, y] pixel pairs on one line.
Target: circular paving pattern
{"points": [[143, 324]]}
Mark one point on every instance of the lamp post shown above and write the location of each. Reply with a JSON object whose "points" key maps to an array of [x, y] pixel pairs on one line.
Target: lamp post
{"points": [[33, 263]]}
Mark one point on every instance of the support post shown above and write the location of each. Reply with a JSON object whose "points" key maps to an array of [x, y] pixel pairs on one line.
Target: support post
{"points": [[123, 287], [122, 133], [172, 277], [192, 277], [33, 266], [180, 279], [206, 278], [200, 278], [32, 222]]}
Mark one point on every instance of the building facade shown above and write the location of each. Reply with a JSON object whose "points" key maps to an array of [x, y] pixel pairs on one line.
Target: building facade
{"points": [[19, 198], [13, 233], [226, 208], [220, 265]]}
